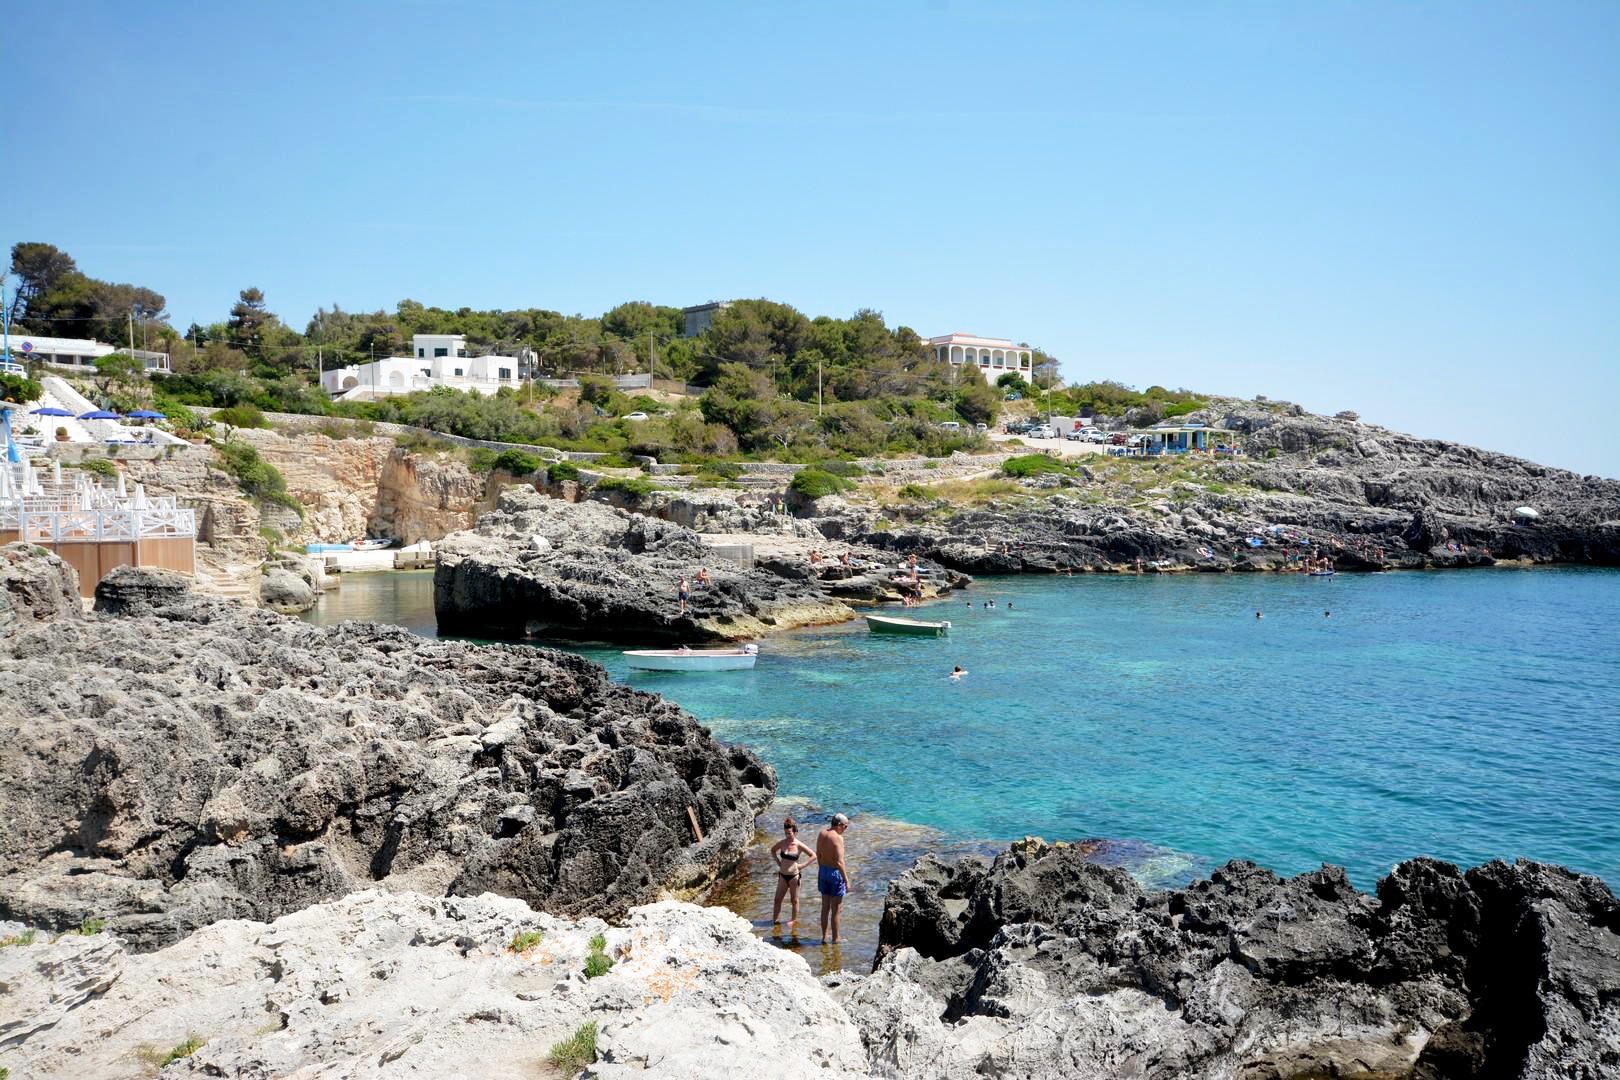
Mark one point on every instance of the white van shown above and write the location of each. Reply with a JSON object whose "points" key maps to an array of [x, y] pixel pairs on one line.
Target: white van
{"points": [[950, 425]]}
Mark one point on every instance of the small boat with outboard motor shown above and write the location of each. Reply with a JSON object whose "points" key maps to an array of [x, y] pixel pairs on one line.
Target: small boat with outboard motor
{"points": [[685, 659]]}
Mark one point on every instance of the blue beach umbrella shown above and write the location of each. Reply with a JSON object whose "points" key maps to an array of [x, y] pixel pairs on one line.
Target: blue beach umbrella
{"points": [[100, 414], [50, 411], [146, 414]]}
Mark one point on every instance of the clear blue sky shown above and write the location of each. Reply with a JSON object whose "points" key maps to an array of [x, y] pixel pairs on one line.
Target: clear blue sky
{"points": [[1408, 209]]}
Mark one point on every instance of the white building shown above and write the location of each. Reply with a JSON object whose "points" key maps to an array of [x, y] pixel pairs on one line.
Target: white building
{"points": [[77, 353], [440, 360], [994, 356]]}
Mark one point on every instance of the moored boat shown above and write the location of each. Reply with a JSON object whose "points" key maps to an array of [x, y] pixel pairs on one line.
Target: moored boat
{"points": [[373, 544], [888, 624], [692, 659]]}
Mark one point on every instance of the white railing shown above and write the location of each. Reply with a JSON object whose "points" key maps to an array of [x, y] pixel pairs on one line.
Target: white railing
{"points": [[92, 526]]}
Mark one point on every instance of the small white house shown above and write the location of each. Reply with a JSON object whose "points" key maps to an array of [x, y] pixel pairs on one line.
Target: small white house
{"points": [[440, 360], [77, 353]]}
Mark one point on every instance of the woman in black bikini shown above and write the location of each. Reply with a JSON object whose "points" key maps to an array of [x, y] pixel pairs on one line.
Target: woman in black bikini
{"points": [[786, 852]]}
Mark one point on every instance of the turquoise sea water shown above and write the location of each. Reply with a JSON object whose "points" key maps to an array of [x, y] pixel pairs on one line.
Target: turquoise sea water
{"points": [[1463, 714]]}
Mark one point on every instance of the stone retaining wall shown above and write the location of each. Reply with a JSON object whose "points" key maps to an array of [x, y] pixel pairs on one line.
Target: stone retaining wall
{"points": [[304, 423]]}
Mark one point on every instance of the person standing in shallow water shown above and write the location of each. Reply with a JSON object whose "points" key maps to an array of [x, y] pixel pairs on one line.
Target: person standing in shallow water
{"points": [[787, 851], [832, 880]]}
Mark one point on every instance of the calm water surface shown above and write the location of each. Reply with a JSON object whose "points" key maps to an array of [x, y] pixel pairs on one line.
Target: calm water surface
{"points": [[1467, 714]]}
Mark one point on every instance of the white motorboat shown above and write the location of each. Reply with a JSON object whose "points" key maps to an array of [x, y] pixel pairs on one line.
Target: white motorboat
{"points": [[692, 659], [374, 544]]}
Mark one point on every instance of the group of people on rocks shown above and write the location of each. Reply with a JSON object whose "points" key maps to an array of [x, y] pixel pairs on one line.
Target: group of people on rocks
{"points": [[683, 589]]}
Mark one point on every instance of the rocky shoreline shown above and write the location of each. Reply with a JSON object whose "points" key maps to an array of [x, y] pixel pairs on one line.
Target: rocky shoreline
{"points": [[539, 566], [258, 848], [172, 760], [1353, 496]]}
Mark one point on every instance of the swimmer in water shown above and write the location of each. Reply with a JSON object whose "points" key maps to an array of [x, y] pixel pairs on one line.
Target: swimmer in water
{"points": [[1258, 615], [958, 671]]}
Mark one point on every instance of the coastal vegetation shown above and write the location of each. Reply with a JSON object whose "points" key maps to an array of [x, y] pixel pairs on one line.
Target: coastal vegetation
{"points": [[575, 1052], [524, 940], [257, 478], [816, 482]]}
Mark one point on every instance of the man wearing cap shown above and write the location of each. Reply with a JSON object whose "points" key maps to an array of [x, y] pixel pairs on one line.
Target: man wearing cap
{"points": [[833, 878]]}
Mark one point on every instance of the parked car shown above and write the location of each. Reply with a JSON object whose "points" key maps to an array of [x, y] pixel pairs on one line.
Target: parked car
{"points": [[1077, 435], [981, 427], [950, 425], [636, 416], [1117, 438], [1093, 435], [1042, 432]]}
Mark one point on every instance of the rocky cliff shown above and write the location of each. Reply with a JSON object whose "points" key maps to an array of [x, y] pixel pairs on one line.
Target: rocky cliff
{"points": [[173, 760], [538, 565], [1040, 964], [1364, 497]]}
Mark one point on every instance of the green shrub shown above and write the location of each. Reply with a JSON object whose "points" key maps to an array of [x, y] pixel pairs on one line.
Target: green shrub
{"points": [[241, 416], [347, 429], [634, 488], [1271, 452], [814, 483], [524, 940], [1030, 464], [91, 927], [913, 491], [560, 471], [517, 462], [577, 1051], [20, 389], [184, 1050], [24, 938], [100, 466], [1182, 408], [598, 943], [481, 459], [616, 460], [597, 964], [255, 476], [181, 420], [418, 442]]}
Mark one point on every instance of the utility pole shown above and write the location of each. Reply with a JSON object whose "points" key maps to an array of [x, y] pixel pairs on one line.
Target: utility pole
{"points": [[818, 382], [132, 332]]}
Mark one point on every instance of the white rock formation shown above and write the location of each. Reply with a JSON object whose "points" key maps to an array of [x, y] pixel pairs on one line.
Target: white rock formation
{"points": [[403, 985]]}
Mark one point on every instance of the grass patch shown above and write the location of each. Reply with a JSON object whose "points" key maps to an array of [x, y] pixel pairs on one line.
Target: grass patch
{"points": [[914, 491], [100, 466], [184, 1050], [577, 1051], [1030, 464], [24, 938], [634, 488], [524, 940], [91, 927], [597, 964]]}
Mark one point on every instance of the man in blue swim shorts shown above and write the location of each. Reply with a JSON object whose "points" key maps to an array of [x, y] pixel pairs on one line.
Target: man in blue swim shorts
{"points": [[833, 878]]}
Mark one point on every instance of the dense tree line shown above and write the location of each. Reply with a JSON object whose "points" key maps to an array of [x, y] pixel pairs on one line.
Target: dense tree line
{"points": [[775, 380]]}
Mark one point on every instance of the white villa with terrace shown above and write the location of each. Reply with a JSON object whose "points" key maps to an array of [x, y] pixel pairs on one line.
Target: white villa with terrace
{"points": [[994, 356], [77, 353], [440, 360]]}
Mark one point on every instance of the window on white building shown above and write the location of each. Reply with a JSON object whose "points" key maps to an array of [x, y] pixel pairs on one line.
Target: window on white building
{"points": [[421, 353], [441, 352], [458, 371], [505, 372]]}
